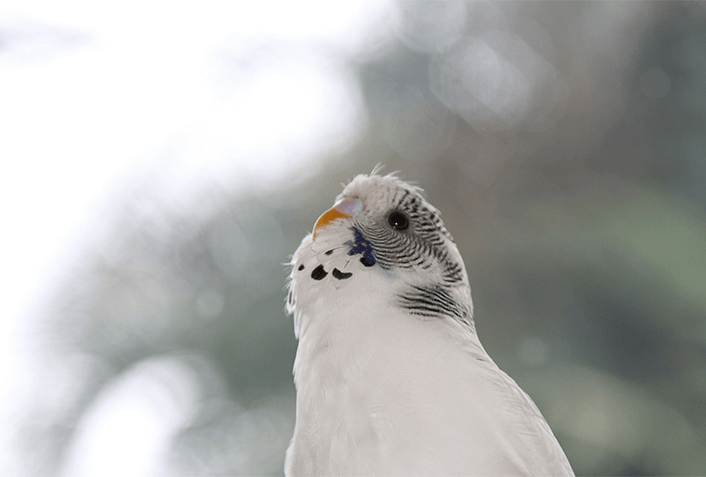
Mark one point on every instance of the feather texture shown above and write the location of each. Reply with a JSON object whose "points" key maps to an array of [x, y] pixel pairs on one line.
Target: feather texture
{"points": [[391, 376]]}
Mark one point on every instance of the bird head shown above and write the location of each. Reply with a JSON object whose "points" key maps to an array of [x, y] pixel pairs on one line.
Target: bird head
{"points": [[381, 226]]}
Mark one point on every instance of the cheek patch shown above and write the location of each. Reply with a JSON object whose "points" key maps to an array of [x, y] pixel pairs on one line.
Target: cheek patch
{"points": [[362, 246]]}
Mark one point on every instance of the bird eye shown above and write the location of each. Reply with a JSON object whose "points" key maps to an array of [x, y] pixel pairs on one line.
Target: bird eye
{"points": [[398, 221]]}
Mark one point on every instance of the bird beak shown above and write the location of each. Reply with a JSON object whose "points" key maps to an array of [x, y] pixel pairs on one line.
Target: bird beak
{"points": [[343, 209]]}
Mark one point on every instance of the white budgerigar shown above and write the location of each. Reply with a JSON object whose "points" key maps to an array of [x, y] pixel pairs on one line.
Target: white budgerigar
{"points": [[391, 376]]}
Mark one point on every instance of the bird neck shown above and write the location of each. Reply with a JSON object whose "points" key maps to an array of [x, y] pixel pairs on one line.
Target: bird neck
{"points": [[367, 379]]}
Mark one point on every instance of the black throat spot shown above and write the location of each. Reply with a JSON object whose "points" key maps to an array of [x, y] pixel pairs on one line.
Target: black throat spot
{"points": [[319, 273], [340, 275]]}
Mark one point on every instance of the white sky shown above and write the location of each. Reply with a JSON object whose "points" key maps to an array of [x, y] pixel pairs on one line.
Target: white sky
{"points": [[96, 96]]}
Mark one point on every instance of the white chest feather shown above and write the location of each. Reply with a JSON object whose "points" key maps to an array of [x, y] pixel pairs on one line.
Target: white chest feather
{"points": [[391, 377], [381, 392]]}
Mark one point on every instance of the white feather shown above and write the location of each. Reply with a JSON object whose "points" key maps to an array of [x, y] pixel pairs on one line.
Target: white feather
{"points": [[384, 392]]}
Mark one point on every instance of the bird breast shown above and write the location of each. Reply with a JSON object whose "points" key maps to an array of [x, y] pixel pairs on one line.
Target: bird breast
{"points": [[403, 394]]}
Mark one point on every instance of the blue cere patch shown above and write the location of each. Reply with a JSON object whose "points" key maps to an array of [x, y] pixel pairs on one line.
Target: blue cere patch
{"points": [[361, 245]]}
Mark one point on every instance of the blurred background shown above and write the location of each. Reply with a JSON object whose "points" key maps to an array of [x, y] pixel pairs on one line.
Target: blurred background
{"points": [[162, 160]]}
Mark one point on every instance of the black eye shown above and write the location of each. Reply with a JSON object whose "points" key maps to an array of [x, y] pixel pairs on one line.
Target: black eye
{"points": [[398, 221]]}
